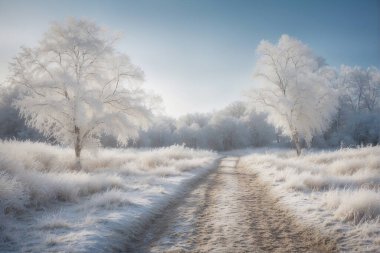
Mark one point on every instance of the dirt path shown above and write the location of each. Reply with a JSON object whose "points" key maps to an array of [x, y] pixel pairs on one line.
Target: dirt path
{"points": [[230, 211]]}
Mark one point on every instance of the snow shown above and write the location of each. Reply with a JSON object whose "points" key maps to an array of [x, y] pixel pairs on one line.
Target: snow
{"points": [[48, 206], [336, 191]]}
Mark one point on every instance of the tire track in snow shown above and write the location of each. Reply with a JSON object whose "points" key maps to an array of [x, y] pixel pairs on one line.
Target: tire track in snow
{"points": [[230, 211]]}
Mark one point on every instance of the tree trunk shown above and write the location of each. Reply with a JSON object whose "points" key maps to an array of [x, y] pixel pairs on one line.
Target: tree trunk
{"points": [[296, 142], [278, 135], [78, 149]]}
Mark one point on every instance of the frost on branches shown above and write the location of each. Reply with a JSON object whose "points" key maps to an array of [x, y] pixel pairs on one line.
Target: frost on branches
{"points": [[76, 87], [295, 89], [360, 88]]}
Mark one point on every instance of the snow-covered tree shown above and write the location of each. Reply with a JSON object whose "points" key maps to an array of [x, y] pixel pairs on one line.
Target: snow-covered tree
{"points": [[11, 125], [358, 113], [360, 87], [231, 133], [294, 89], [160, 134], [76, 86]]}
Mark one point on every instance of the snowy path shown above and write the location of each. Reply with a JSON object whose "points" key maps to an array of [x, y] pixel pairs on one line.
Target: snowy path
{"points": [[229, 211]]}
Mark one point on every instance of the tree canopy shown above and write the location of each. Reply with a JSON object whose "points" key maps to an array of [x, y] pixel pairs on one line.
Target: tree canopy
{"points": [[76, 86]]}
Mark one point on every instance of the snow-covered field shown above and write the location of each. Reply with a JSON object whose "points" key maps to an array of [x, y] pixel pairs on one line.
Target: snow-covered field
{"points": [[337, 191], [45, 205]]}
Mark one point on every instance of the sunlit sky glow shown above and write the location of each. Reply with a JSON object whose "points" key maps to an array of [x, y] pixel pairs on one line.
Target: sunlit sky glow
{"points": [[199, 55]]}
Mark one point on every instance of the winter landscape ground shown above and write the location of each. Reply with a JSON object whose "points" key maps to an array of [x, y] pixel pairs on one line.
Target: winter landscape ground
{"points": [[177, 199], [48, 207], [334, 191]]}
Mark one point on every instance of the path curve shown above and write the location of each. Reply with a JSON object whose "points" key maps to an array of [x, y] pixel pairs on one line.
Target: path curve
{"points": [[230, 211]]}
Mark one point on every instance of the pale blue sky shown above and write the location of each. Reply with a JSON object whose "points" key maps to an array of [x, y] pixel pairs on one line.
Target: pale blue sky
{"points": [[199, 55]]}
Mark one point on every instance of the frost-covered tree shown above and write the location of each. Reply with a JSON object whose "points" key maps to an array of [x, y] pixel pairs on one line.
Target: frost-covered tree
{"points": [[358, 113], [230, 128], [294, 89], [160, 134], [11, 125], [360, 87], [231, 133], [76, 86]]}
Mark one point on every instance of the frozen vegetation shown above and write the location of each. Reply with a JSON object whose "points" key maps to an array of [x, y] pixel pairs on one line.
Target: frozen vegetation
{"points": [[74, 88], [295, 89], [46, 205], [337, 191], [298, 99]]}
